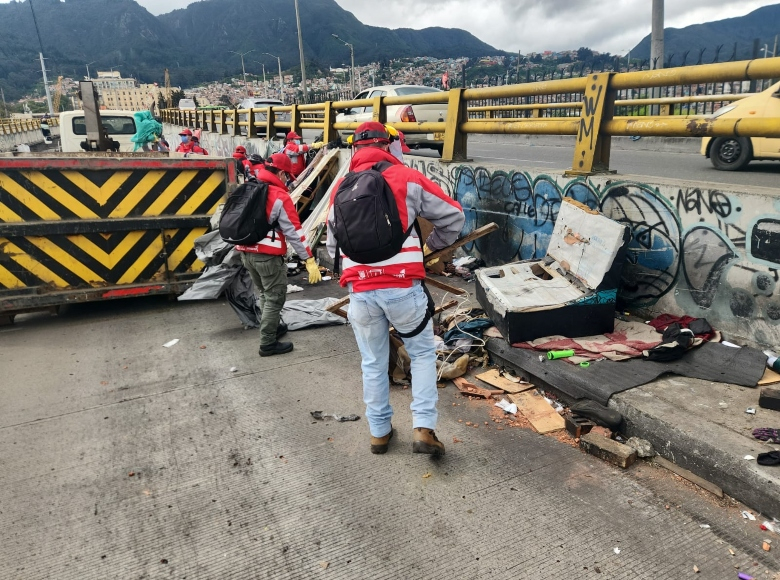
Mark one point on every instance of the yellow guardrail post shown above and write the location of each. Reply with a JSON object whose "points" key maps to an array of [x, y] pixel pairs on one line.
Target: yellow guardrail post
{"points": [[251, 128], [234, 127], [270, 124], [379, 110], [329, 131], [455, 140], [591, 152], [295, 118], [210, 117]]}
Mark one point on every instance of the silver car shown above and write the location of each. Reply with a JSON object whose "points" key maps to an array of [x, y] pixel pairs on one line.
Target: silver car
{"points": [[260, 116]]}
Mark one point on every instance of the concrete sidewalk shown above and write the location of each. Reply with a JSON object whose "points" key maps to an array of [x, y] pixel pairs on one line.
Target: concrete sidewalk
{"points": [[124, 459], [699, 425]]}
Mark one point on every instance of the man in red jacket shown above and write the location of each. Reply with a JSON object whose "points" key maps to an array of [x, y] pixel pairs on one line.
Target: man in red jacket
{"points": [[390, 292], [296, 150], [188, 145], [266, 260]]}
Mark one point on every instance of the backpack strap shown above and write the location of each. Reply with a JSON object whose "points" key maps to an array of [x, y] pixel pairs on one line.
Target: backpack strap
{"points": [[428, 315]]}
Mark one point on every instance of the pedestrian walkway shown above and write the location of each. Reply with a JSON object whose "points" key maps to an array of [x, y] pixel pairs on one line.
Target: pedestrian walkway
{"points": [[125, 459]]}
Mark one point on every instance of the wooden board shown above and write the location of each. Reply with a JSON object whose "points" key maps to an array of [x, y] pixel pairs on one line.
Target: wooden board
{"points": [[692, 477], [494, 379], [446, 287], [478, 233], [770, 378], [539, 412], [468, 388]]}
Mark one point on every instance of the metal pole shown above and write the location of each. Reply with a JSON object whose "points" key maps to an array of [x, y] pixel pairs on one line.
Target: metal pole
{"points": [[265, 86], [657, 46], [43, 64], [281, 79], [300, 49], [352, 74], [5, 108]]}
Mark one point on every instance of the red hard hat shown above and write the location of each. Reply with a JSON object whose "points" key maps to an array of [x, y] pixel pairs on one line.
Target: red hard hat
{"points": [[370, 132], [240, 149], [280, 161], [186, 132], [293, 135]]}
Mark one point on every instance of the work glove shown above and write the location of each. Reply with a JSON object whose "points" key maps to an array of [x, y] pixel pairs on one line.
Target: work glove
{"points": [[314, 271], [316, 145], [427, 251]]}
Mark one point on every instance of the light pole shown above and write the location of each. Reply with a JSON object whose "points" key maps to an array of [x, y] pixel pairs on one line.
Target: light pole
{"points": [[243, 70], [265, 86], [300, 49], [43, 64], [352, 55], [281, 79], [87, 65]]}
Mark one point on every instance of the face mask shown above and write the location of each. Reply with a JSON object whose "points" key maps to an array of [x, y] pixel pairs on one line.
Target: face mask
{"points": [[297, 141], [185, 139], [395, 150]]}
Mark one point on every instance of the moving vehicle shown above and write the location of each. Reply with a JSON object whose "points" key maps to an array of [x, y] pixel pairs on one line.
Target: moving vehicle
{"points": [[734, 153], [187, 105], [400, 114], [260, 116], [73, 129]]}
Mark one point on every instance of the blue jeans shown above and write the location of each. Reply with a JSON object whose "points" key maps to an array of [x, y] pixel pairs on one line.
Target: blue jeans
{"points": [[371, 314]]}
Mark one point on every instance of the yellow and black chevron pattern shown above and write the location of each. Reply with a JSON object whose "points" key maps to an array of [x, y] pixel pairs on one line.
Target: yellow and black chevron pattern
{"points": [[98, 227]]}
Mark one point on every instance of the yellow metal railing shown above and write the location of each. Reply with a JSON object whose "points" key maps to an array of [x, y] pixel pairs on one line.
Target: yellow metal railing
{"points": [[11, 126], [591, 118]]}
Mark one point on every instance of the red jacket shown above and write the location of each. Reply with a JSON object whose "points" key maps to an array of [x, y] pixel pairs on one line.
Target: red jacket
{"points": [[280, 209], [191, 147], [416, 196], [296, 153]]}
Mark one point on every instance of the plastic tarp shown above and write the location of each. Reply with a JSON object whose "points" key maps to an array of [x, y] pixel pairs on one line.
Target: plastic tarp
{"points": [[147, 129], [299, 314]]}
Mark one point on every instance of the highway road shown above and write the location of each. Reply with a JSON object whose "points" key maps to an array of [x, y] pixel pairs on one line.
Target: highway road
{"points": [[688, 166]]}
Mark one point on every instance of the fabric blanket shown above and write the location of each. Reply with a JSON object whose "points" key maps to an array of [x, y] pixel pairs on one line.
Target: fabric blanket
{"points": [[628, 340]]}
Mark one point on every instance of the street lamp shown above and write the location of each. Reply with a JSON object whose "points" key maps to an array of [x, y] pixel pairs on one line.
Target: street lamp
{"points": [[265, 86], [352, 54], [243, 70], [87, 65], [281, 79], [765, 50]]}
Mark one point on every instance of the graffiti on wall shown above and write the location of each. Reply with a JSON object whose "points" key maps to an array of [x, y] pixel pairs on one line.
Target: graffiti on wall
{"points": [[698, 247]]}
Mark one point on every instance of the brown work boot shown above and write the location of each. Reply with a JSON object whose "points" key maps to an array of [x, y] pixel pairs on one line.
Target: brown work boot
{"points": [[379, 444], [425, 441]]}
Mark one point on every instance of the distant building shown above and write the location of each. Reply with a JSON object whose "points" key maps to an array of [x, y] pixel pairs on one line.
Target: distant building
{"points": [[125, 94]]}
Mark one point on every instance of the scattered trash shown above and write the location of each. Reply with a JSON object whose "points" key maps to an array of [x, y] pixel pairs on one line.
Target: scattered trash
{"points": [[750, 411], [170, 343], [743, 576], [749, 457], [773, 527], [326, 278], [748, 516], [341, 419], [704, 526], [766, 546], [324, 565], [556, 354], [293, 288], [510, 377], [452, 370], [723, 405], [427, 475], [732, 552], [233, 369], [696, 569], [642, 447], [731, 344], [507, 406], [616, 550], [468, 388]]}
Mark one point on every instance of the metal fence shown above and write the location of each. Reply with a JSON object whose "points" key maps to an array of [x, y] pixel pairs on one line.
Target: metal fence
{"points": [[11, 126], [588, 107]]}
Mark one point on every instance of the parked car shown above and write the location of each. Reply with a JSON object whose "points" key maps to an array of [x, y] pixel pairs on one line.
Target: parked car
{"points": [[400, 114], [187, 105], [733, 153], [261, 117]]}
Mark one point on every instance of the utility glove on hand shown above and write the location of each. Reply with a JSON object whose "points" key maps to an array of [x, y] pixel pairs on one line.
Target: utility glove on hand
{"points": [[427, 251], [314, 271], [317, 145]]}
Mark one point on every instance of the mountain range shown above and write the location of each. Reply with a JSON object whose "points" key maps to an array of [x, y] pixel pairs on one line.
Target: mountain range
{"points": [[762, 24], [195, 42]]}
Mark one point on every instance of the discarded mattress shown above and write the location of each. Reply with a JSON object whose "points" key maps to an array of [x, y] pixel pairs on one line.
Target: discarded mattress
{"points": [[571, 291], [710, 362]]}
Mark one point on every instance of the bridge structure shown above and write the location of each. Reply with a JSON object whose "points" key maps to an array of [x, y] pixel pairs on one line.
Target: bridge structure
{"points": [[15, 132], [699, 248]]}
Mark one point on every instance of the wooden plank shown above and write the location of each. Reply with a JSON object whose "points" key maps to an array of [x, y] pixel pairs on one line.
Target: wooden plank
{"points": [[494, 379], [468, 388], [692, 477], [446, 287], [539, 412], [478, 233], [770, 378]]}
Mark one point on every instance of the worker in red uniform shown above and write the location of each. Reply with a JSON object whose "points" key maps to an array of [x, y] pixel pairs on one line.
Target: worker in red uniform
{"points": [[188, 145], [296, 150], [242, 161], [266, 260]]}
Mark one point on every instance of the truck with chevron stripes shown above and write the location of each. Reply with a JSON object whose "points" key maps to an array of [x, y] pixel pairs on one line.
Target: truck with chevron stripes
{"points": [[98, 226]]}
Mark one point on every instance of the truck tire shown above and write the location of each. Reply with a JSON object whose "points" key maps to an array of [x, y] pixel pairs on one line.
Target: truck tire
{"points": [[731, 153]]}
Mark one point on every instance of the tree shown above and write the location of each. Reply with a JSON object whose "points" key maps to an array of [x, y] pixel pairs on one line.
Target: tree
{"points": [[584, 54]]}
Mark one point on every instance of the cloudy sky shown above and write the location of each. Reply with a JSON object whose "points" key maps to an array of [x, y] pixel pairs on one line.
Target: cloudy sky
{"points": [[533, 25]]}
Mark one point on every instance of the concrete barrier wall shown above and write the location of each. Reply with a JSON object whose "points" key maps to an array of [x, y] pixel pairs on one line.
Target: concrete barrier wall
{"points": [[705, 250], [9, 142], [224, 145]]}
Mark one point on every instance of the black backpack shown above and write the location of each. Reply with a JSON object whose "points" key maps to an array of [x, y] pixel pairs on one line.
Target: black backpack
{"points": [[368, 227], [244, 219]]}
